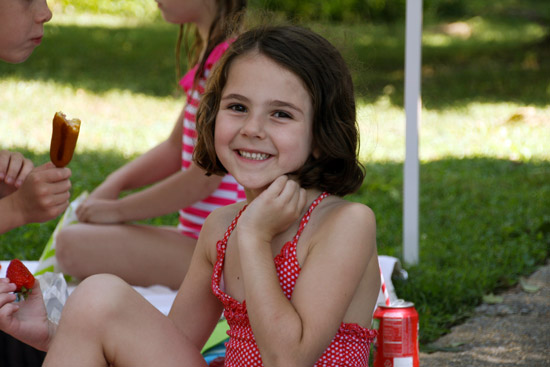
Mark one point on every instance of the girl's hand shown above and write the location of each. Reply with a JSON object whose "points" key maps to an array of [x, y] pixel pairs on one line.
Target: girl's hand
{"points": [[101, 204], [14, 169], [274, 210], [25, 320], [43, 195], [103, 211]]}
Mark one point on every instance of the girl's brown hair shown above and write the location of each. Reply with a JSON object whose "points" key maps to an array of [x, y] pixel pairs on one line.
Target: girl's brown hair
{"points": [[229, 18], [333, 166]]}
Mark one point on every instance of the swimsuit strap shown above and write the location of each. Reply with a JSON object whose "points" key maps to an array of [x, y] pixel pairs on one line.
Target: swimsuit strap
{"points": [[305, 218], [232, 225], [303, 222]]}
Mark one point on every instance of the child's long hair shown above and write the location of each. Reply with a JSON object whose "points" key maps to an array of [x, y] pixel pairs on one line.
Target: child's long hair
{"points": [[228, 20], [333, 165]]}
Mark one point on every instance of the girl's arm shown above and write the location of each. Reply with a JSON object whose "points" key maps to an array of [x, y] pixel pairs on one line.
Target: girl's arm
{"points": [[152, 166], [173, 189], [338, 270], [196, 310], [175, 192]]}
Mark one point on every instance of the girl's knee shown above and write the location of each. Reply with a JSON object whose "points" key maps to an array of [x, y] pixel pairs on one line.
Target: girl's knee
{"points": [[66, 251], [63, 240], [97, 299]]}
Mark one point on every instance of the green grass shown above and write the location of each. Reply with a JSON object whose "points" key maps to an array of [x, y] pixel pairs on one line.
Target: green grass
{"points": [[485, 161]]}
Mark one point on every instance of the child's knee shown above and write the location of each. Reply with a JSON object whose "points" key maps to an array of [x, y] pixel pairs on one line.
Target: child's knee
{"points": [[65, 249], [96, 300]]}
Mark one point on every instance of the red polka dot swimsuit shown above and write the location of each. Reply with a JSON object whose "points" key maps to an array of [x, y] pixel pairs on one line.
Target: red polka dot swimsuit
{"points": [[349, 347]]}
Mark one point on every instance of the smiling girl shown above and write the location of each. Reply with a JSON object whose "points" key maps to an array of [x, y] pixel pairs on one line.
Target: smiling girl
{"points": [[294, 268]]}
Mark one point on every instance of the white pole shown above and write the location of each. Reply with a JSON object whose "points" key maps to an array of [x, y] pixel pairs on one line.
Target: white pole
{"points": [[413, 104]]}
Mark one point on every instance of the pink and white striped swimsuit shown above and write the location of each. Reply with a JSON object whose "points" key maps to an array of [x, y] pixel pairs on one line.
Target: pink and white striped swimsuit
{"points": [[229, 192]]}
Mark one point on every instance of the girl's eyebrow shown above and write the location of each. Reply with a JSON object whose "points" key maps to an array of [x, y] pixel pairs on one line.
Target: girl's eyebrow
{"points": [[274, 103], [278, 103], [236, 96]]}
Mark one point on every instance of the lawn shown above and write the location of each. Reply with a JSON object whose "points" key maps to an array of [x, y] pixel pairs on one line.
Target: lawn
{"points": [[484, 137]]}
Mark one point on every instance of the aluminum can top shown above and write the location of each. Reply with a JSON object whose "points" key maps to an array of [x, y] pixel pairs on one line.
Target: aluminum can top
{"points": [[400, 303]]}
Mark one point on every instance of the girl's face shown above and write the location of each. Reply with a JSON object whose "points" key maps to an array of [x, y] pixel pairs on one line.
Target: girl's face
{"points": [[21, 27], [264, 123]]}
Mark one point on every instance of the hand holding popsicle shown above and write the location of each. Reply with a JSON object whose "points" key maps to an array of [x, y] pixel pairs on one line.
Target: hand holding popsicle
{"points": [[37, 194]]}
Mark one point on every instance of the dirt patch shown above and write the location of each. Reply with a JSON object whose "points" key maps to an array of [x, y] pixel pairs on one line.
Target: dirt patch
{"points": [[512, 333]]}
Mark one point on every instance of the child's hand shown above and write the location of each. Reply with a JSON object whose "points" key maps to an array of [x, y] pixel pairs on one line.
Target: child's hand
{"points": [[14, 169], [94, 210], [274, 210], [25, 320], [44, 194]]}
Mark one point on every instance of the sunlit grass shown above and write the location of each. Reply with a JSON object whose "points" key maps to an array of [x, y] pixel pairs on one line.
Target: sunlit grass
{"points": [[496, 130], [116, 120], [132, 123]]}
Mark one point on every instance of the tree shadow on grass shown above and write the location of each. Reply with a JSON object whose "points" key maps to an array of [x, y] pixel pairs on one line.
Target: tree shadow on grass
{"points": [[99, 59], [461, 72], [142, 60]]}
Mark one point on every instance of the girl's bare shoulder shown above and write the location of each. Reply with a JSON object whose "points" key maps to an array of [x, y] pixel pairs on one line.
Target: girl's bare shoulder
{"points": [[226, 214], [341, 221], [338, 210], [220, 219], [216, 224]]}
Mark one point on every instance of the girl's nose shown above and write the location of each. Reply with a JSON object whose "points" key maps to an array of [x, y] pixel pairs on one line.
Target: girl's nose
{"points": [[43, 12], [253, 127]]}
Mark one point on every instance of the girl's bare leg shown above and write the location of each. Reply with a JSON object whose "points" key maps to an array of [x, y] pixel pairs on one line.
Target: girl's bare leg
{"points": [[107, 323], [141, 255]]}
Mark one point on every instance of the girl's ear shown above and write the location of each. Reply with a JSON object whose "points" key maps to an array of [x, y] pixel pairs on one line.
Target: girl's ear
{"points": [[315, 153]]}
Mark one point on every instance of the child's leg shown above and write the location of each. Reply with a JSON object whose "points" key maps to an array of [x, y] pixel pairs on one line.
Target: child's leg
{"points": [[141, 255], [106, 323]]}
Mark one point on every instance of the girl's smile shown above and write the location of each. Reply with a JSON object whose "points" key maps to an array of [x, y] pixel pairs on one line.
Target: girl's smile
{"points": [[264, 123], [253, 156]]}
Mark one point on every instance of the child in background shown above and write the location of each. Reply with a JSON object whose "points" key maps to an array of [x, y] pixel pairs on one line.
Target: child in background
{"points": [[27, 194], [104, 241], [21, 28], [294, 268]]}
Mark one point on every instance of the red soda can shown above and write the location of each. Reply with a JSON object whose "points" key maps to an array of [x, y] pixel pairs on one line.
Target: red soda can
{"points": [[397, 341]]}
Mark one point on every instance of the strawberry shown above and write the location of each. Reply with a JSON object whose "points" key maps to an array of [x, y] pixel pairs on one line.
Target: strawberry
{"points": [[19, 274]]}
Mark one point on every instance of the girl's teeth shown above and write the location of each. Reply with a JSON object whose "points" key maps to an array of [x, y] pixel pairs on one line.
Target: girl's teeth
{"points": [[253, 156]]}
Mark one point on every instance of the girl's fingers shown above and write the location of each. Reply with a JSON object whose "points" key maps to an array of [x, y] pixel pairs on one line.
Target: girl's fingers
{"points": [[6, 313], [290, 195], [302, 198], [25, 171], [6, 286], [60, 198], [277, 186], [6, 298]]}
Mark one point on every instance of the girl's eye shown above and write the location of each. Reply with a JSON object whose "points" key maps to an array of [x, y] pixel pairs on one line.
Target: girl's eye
{"points": [[237, 108], [282, 114]]}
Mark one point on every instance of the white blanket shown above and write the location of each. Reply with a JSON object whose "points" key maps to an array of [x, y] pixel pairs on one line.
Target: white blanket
{"points": [[162, 297]]}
